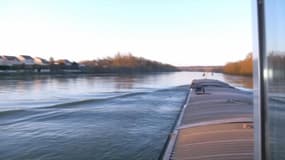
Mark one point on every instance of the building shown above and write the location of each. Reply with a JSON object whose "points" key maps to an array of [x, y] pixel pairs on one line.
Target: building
{"points": [[27, 60], [10, 61], [41, 61], [2, 61], [63, 62], [269, 79]]}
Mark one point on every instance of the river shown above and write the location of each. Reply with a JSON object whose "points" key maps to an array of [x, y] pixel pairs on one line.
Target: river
{"points": [[82, 117]]}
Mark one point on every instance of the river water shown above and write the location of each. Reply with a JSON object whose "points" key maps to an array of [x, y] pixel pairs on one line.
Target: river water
{"points": [[86, 117]]}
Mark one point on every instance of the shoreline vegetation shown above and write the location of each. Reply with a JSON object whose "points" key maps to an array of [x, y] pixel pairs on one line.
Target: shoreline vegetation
{"points": [[126, 64], [122, 64], [119, 64], [243, 67]]}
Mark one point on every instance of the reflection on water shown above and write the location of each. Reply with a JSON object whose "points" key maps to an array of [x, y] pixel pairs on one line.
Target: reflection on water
{"points": [[239, 81], [92, 116], [16, 91], [124, 82], [111, 82]]}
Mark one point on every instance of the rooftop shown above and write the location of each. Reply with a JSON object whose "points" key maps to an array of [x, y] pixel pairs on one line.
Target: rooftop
{"points": [[26, 57], [11, 58]]}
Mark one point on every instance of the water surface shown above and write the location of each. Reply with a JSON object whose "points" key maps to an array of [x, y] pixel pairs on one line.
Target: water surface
{"points": [[92, 116]]}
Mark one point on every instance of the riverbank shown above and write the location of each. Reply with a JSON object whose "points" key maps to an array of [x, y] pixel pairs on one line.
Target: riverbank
{"points": [[215, 123], [120, 63], [73, 72]]}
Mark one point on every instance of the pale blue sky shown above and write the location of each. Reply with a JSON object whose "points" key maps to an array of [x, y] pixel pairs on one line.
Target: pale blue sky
{"points": [[179, 32]]}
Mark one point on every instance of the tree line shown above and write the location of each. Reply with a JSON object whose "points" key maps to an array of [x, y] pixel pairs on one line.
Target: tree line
{"points": [[126, 63], [242, 67]]}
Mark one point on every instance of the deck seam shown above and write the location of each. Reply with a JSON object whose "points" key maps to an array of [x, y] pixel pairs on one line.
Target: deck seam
{"points": [[172, 142]]}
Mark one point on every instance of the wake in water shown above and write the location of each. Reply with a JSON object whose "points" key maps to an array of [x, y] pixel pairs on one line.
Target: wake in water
{"points": [[86, 101], [125, 126]]}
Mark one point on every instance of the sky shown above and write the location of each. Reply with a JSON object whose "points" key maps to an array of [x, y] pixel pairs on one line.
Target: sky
{"points": [[178, 32]]}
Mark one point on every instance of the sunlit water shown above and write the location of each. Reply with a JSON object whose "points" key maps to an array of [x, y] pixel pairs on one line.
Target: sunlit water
{"points": [[82, 117]]}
